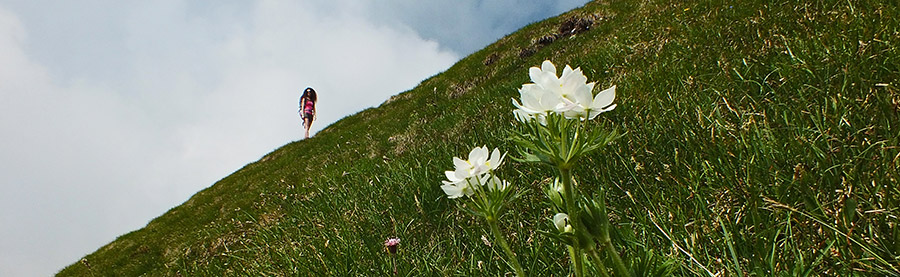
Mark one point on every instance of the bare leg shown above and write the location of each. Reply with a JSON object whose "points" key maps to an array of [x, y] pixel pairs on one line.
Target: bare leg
{"points": [[307, 123]]}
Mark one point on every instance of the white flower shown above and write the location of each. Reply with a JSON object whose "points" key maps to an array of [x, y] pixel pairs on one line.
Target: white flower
{"points": [[469, 172], [457, 189], [538, 101], [493, 182], [479, 162], [543, 96], [569, 95], [575, 92], [561, 221], [602, 103], [522, 115]]}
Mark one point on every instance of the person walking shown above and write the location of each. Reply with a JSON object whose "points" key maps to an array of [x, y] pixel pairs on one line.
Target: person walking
{"points": [[308, 108]]}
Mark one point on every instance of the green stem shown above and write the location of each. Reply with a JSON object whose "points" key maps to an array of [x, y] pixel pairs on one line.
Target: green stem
{"points": [[605, 242], [514, 262], [598, 262], [618, 266], [394, 263], [565, 175]]}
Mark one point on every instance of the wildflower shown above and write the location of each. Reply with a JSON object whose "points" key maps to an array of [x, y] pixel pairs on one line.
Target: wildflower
{"points": [[569, 94], [539, 98], [602, 103], [469, 172], [392, 244], [493, 183], [536, 102], [457, 189]]}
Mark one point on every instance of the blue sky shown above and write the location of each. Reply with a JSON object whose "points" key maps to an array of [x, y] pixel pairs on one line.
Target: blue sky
{"points": [[113, 112]]}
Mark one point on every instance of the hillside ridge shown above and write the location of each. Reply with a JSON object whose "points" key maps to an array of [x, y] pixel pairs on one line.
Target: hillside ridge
{"points": [[744, 122]]}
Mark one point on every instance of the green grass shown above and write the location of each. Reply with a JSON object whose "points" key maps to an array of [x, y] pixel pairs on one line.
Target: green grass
{"points": [[762, 139]]}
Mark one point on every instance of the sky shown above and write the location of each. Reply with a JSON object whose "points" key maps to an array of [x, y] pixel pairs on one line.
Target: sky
{"points": [[113, 112]]}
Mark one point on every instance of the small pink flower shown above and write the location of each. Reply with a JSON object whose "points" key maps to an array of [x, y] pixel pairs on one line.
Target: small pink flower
{"points": [[392, 244]]}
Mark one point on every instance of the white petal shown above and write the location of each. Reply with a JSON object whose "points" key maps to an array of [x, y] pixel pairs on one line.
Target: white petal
{"points": [[500, 184], [481, 168], [594, 113], [524, 109], [573, 78], [493, 183], [484, 179], [604, 98], [451, 176], [575, 113], [495, 160], [531, 96], [478, 156], [523, 116], [566, 71], [564, 105], [548, 67], [547, 81], [452, 191], [550, 101], [460, 164], [462, 173], [545, 77], [535, 73], [582, 95]]}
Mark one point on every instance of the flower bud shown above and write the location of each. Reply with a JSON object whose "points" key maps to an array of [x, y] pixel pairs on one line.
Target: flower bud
{"points": [[555, 193], [561, 220]]}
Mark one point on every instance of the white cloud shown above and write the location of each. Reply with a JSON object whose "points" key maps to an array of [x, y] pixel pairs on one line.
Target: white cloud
{"points": [[48, 141]]}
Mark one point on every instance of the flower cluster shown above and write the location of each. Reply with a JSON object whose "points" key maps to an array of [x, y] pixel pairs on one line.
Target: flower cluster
{"points": [[473, 172], [488, 196], [569, 95], [555, 111]]}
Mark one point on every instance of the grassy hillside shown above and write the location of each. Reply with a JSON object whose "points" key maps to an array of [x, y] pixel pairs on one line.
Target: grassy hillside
{"points": [[762, 138]]}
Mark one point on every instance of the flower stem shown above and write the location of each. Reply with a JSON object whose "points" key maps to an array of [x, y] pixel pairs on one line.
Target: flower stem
{"points": [[394, 264], [514, 262], [605, 242], [618, 266], [598, 262], [574, 220]]}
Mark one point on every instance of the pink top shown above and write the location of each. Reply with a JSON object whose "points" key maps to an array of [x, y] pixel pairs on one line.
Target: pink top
{"points": [[309, 106]]}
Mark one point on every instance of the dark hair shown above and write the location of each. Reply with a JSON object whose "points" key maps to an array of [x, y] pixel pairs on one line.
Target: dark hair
{"points": [[310, 94]]}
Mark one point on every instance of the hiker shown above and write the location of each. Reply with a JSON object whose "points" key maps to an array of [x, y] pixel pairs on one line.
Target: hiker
{"points": [[308, 108]]}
